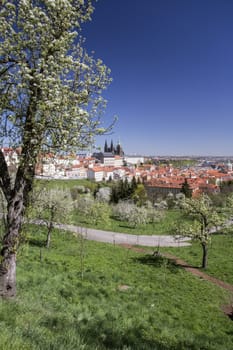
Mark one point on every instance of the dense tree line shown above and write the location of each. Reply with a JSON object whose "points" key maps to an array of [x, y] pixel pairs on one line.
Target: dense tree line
{"points": [[123, 190]]}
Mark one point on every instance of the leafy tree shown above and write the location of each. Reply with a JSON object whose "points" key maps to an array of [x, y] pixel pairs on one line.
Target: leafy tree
{"points": [[226, 187], [130, 212], [186, 189], [83, 205], [170, 200], [103, 195], [138, 216], [77, 191], [110, 178], [205, 218], [121, 191], [99, 212], [114, 197], [50, 99], [140, 195], [121, 211], [93, 211], [133, 184], [125, 190], [154, 215], [50, 206]]}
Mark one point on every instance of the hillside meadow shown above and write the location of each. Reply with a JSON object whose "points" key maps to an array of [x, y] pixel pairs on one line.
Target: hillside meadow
{"points": [[220, 258], [86, 295]]}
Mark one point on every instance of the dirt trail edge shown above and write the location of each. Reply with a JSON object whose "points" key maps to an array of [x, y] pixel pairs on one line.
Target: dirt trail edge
{"points": [[179, 262], [227, 309], [197, 272]]}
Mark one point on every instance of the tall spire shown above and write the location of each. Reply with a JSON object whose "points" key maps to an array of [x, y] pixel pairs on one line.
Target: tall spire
{"points": [[111, 147], [105, 146]]}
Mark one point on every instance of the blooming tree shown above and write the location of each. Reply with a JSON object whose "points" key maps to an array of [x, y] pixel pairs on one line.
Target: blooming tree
{"points": [[130, 212], [205, 220], [51, 206], [50, 99]]}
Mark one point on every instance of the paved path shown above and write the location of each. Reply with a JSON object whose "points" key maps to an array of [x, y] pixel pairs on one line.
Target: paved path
{"points": [[123, 238]]}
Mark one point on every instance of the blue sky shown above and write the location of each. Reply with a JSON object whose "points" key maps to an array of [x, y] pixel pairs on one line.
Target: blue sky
{"points": [[172, 70]]}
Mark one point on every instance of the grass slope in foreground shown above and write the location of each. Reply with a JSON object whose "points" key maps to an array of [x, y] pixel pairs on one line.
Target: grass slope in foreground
{"points": [[92, 296], [220, 257]]}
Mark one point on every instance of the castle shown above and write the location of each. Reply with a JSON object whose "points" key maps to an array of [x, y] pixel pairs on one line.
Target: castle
{"points": [[118, 151]]}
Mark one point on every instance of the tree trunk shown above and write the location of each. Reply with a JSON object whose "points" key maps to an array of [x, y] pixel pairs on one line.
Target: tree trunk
{"points": [[205, 255], [10, 244], [8, 276], [17, 196], [50, 228]]}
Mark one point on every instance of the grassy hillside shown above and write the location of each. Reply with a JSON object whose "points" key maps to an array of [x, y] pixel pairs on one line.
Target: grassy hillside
{"points": [[64, 184], [220, 261], [87, 295]]}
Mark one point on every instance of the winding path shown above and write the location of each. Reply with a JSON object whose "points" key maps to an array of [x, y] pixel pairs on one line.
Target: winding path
{"points": [[123, 238]]}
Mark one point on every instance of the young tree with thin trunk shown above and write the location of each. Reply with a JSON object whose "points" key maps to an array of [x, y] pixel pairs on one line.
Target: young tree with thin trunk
{"points": [[50, 100], [205, 218], [50, 207]]}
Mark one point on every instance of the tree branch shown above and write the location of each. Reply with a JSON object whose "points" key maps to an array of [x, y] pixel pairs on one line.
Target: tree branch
{"points": [[5, 181], [5, 69]]}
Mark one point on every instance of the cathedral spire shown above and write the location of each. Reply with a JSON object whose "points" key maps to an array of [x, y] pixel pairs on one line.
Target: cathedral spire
{"points": [[106, 146]]}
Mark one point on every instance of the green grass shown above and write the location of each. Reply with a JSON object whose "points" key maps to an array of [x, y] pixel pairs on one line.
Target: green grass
{"points": [[220, 257], [66, 184], [70, 297], [163, 227]]}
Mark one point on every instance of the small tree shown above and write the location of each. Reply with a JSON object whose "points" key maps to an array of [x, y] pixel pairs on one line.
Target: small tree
{"points": [[138, 216], [83, 206], [121, 191], [186, 189], [170, 200], [140, 195], [94, 211], [99, 213], [133, 184], [205, 218], [77, 191], [154, 215], [103, 194], [130, 212], [50, 206]]}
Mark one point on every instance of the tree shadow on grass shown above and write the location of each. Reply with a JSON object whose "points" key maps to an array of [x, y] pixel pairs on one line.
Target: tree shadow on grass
{"points": [[35, 242], [126, 226], [158, 261]]}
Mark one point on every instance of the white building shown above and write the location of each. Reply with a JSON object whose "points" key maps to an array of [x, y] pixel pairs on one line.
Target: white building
{"points": [[96, 173], [134, 160], [108, 173], [77, 172], [11, 156], [48, 169]]}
